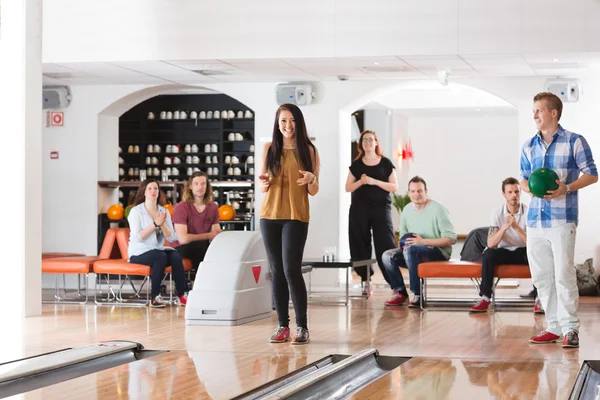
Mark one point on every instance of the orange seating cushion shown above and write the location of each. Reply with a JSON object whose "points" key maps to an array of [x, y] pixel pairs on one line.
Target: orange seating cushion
{"points": [[187, 266], [122, 236], [68, 265], [120, 267], [46, 256], [450, 269], [467, 269], [514, 271]]}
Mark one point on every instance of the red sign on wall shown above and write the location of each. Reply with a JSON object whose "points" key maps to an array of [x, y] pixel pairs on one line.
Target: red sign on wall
{"points": [[55, 118]]}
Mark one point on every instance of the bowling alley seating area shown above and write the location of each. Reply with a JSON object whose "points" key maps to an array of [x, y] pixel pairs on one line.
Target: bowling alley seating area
{"points": [[470, 270], [110, 263]]}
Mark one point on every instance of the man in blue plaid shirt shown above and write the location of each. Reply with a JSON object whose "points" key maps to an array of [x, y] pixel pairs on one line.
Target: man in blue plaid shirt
{"points": [[552, 220]]}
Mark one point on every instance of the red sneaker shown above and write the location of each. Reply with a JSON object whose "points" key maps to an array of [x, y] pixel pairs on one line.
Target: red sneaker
{"points": [[544, 337], [301, 336], [537, 308], [482, 306], [181, 301], [397, 300], [571, 340], [281, 335]]}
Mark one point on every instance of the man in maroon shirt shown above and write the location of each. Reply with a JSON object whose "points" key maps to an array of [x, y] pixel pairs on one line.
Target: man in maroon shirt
{"points": [[196, 219]]}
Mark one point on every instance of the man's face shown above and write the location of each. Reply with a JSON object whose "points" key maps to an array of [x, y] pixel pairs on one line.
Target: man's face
{"points": [[199, 186], [543, 116], [417, 193], [512, 194]]}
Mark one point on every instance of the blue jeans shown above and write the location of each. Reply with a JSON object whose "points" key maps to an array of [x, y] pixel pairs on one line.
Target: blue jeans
{"points": [[410, 258], [159, 260]]}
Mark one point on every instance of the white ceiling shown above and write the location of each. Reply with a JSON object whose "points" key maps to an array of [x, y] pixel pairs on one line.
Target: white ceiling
{"points": [[433, 95], [479, 112], [320, 69]]}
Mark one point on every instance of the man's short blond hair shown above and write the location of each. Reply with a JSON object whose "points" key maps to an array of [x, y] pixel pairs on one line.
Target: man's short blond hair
{"points": [[552, 101]]}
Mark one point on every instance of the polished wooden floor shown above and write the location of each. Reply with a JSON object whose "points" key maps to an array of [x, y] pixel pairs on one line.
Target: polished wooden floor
{"points": [[456, 355]]}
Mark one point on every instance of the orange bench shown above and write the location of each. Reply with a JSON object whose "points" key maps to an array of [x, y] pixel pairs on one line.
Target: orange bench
{"points": [[123, 267], [78, 265], [470, 270], [48, 255]]}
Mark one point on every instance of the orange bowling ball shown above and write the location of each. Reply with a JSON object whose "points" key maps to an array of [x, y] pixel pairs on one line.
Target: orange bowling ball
{"points": [[226, 212], [115, 212], [169, 207]]}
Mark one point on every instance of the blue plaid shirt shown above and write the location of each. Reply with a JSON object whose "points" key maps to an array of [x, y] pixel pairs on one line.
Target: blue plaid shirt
{"points": [[568, 155]]}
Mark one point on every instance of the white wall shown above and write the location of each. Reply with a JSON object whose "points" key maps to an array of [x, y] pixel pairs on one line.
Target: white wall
{"points": [[464, 160], [70, 183], [115, 30], [70, 189], [578, 117], [379, 120]]}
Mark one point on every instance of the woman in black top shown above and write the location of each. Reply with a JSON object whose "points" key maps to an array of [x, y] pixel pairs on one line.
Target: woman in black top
{"points": [[371, 179]]}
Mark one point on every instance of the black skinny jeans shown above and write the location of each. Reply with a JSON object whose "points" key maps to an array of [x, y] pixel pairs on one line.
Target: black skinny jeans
{"points": [[284, 241], [493, 257], [361, 221], [158, 260], [194, 251]]}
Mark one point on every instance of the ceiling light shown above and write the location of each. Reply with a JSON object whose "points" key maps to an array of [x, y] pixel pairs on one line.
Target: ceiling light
{"points": [[443, 75], [555, 60]]}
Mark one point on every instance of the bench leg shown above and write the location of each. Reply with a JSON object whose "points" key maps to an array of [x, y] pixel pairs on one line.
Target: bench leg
{"points": [[423, 293], [117, 298], [66, 300]]}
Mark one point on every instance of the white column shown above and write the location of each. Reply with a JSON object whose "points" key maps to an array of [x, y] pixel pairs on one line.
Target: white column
{"points": [[20, 166]]}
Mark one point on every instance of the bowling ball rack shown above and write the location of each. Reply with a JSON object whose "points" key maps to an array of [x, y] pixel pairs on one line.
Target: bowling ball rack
{"points": [[334, 376], [587, 383], [47, 369]]}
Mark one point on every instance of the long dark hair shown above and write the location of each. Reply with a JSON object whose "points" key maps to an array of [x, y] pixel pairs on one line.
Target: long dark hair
{"points": [[188, 195], [303, 143], [140, 196], [359, 145]]}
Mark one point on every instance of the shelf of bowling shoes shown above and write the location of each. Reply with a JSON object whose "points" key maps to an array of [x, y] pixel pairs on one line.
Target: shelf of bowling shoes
{"points": [[180, 154], [233, 153], [161, 165], [238, 141]]}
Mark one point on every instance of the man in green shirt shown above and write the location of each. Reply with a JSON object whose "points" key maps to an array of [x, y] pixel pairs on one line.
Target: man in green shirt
{"points": [[434, 236]]}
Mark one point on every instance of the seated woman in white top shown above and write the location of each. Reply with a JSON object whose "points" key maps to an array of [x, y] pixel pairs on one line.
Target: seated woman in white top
{"points": [[150, 224]]}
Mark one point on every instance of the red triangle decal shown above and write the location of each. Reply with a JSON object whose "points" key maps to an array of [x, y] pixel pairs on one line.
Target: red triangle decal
{"points": [[256, 272]]}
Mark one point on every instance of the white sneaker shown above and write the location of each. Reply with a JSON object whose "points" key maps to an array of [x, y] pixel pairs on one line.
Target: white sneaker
{"points": [[158, 302], [366, 288]]}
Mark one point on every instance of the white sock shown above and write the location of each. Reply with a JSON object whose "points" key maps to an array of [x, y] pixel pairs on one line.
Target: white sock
{"points": [[486, 298]]}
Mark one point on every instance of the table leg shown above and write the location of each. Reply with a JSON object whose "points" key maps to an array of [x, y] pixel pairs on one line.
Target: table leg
{"points": [[368, 281], [347, 285]]}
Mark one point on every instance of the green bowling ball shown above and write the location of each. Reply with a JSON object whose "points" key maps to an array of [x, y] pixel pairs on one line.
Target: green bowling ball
{"points": [[542, 180]]}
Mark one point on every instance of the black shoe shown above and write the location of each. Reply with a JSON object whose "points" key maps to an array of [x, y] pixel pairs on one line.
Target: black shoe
{"points": [[530, 295]]}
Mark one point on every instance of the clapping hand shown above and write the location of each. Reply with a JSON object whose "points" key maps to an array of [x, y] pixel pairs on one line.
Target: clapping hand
{"points": [[264, 180], [307, 177], [366, 180], [162, 217]]}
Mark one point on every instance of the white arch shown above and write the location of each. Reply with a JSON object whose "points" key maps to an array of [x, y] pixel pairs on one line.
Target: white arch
{"points": [[125, 103], [108, 129], [344, 116]]}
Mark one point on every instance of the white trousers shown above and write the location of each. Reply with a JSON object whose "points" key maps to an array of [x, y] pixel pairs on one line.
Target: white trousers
{"points": [[550, 252]]}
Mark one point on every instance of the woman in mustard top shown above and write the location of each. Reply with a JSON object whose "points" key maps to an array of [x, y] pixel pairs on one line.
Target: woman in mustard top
{"points": [[289, 174]]}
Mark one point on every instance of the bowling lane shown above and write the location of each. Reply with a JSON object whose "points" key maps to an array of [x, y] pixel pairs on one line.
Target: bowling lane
{"points": [[179, 375], [436, 378]]}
